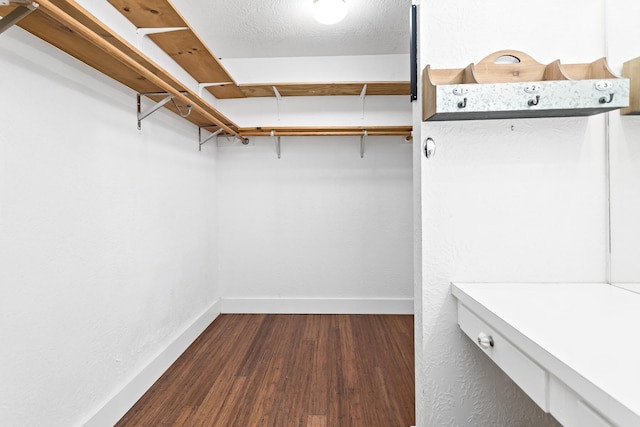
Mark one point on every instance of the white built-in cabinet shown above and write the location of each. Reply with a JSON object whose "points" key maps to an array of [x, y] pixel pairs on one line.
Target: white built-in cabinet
{"points": [[573, 348]]}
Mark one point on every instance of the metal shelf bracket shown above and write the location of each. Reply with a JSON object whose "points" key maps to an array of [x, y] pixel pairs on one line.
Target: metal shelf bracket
{"points": [[363, 140], [278, 99], [142, 32], [24, 8], [201, 86], [363, 96], [146, 113], [201, 141], [277, 141]]}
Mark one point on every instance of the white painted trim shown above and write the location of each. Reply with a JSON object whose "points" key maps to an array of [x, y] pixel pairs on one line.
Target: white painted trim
{"points": [[318, 305], [118, 405]]}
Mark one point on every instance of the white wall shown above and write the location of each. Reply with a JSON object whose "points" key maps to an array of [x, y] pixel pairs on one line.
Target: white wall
{"points": [[109, 255], [622, 36], [320, 230], [107, 239], [313, 69], [319, 110], [504, 200]]}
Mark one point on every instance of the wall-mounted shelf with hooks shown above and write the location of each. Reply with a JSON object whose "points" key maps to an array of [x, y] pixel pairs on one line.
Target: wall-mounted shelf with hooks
{"points": [[511, 84], [631, 70]]}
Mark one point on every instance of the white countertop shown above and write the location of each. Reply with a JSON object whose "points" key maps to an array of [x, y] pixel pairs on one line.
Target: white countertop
{"points": [[588, 335]]}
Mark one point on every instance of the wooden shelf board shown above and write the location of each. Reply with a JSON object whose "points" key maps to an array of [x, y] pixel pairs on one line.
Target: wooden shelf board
{"points": [[326, 130], [57, 34], [188, 50], [42, 24], [88, 46], [185, 47], [191, 54], [150, 13], [326, 89]]}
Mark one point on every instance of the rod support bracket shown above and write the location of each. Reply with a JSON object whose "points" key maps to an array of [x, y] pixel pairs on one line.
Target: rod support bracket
{"points": [[16, 15], [277, 142], [363, 140], [183, 115]]}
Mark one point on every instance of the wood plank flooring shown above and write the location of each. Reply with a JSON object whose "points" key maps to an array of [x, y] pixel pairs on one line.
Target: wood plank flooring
{"points": [[288, 371]]}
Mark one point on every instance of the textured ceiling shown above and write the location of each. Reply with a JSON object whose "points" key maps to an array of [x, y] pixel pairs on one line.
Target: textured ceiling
{"points": [[283, 28]]}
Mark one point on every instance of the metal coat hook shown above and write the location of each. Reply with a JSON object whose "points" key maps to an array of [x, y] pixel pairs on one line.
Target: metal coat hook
{"points": [[533, 102], [463, 103], [189, 108], [363, 139], [604, 100]]}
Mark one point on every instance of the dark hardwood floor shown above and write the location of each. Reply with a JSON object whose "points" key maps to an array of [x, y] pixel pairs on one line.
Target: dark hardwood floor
{"points": [[288, 371]]}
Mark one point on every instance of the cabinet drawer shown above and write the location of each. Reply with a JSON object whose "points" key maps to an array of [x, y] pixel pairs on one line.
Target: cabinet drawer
{"points": [[523, 371], [569, 408]]}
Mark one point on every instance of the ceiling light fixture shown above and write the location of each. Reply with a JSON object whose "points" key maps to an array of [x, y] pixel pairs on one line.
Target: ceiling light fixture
{"points": [[329, 11]]}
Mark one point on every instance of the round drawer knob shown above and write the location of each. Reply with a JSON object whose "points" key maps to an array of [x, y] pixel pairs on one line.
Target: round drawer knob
{"points": [[485, 340]]}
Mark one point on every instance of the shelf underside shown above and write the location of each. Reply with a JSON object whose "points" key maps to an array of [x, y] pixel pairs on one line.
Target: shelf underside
{"points": [[520, 114]]}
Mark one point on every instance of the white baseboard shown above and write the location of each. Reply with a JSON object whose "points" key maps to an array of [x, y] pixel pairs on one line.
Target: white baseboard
{"points": [[318, 305], [122, 401]]}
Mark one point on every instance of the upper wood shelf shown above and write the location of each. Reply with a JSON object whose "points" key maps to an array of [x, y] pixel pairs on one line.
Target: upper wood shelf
{"points": [[521, 87], [72, 29], [185, 47], [188, 50], [324, 89]]}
